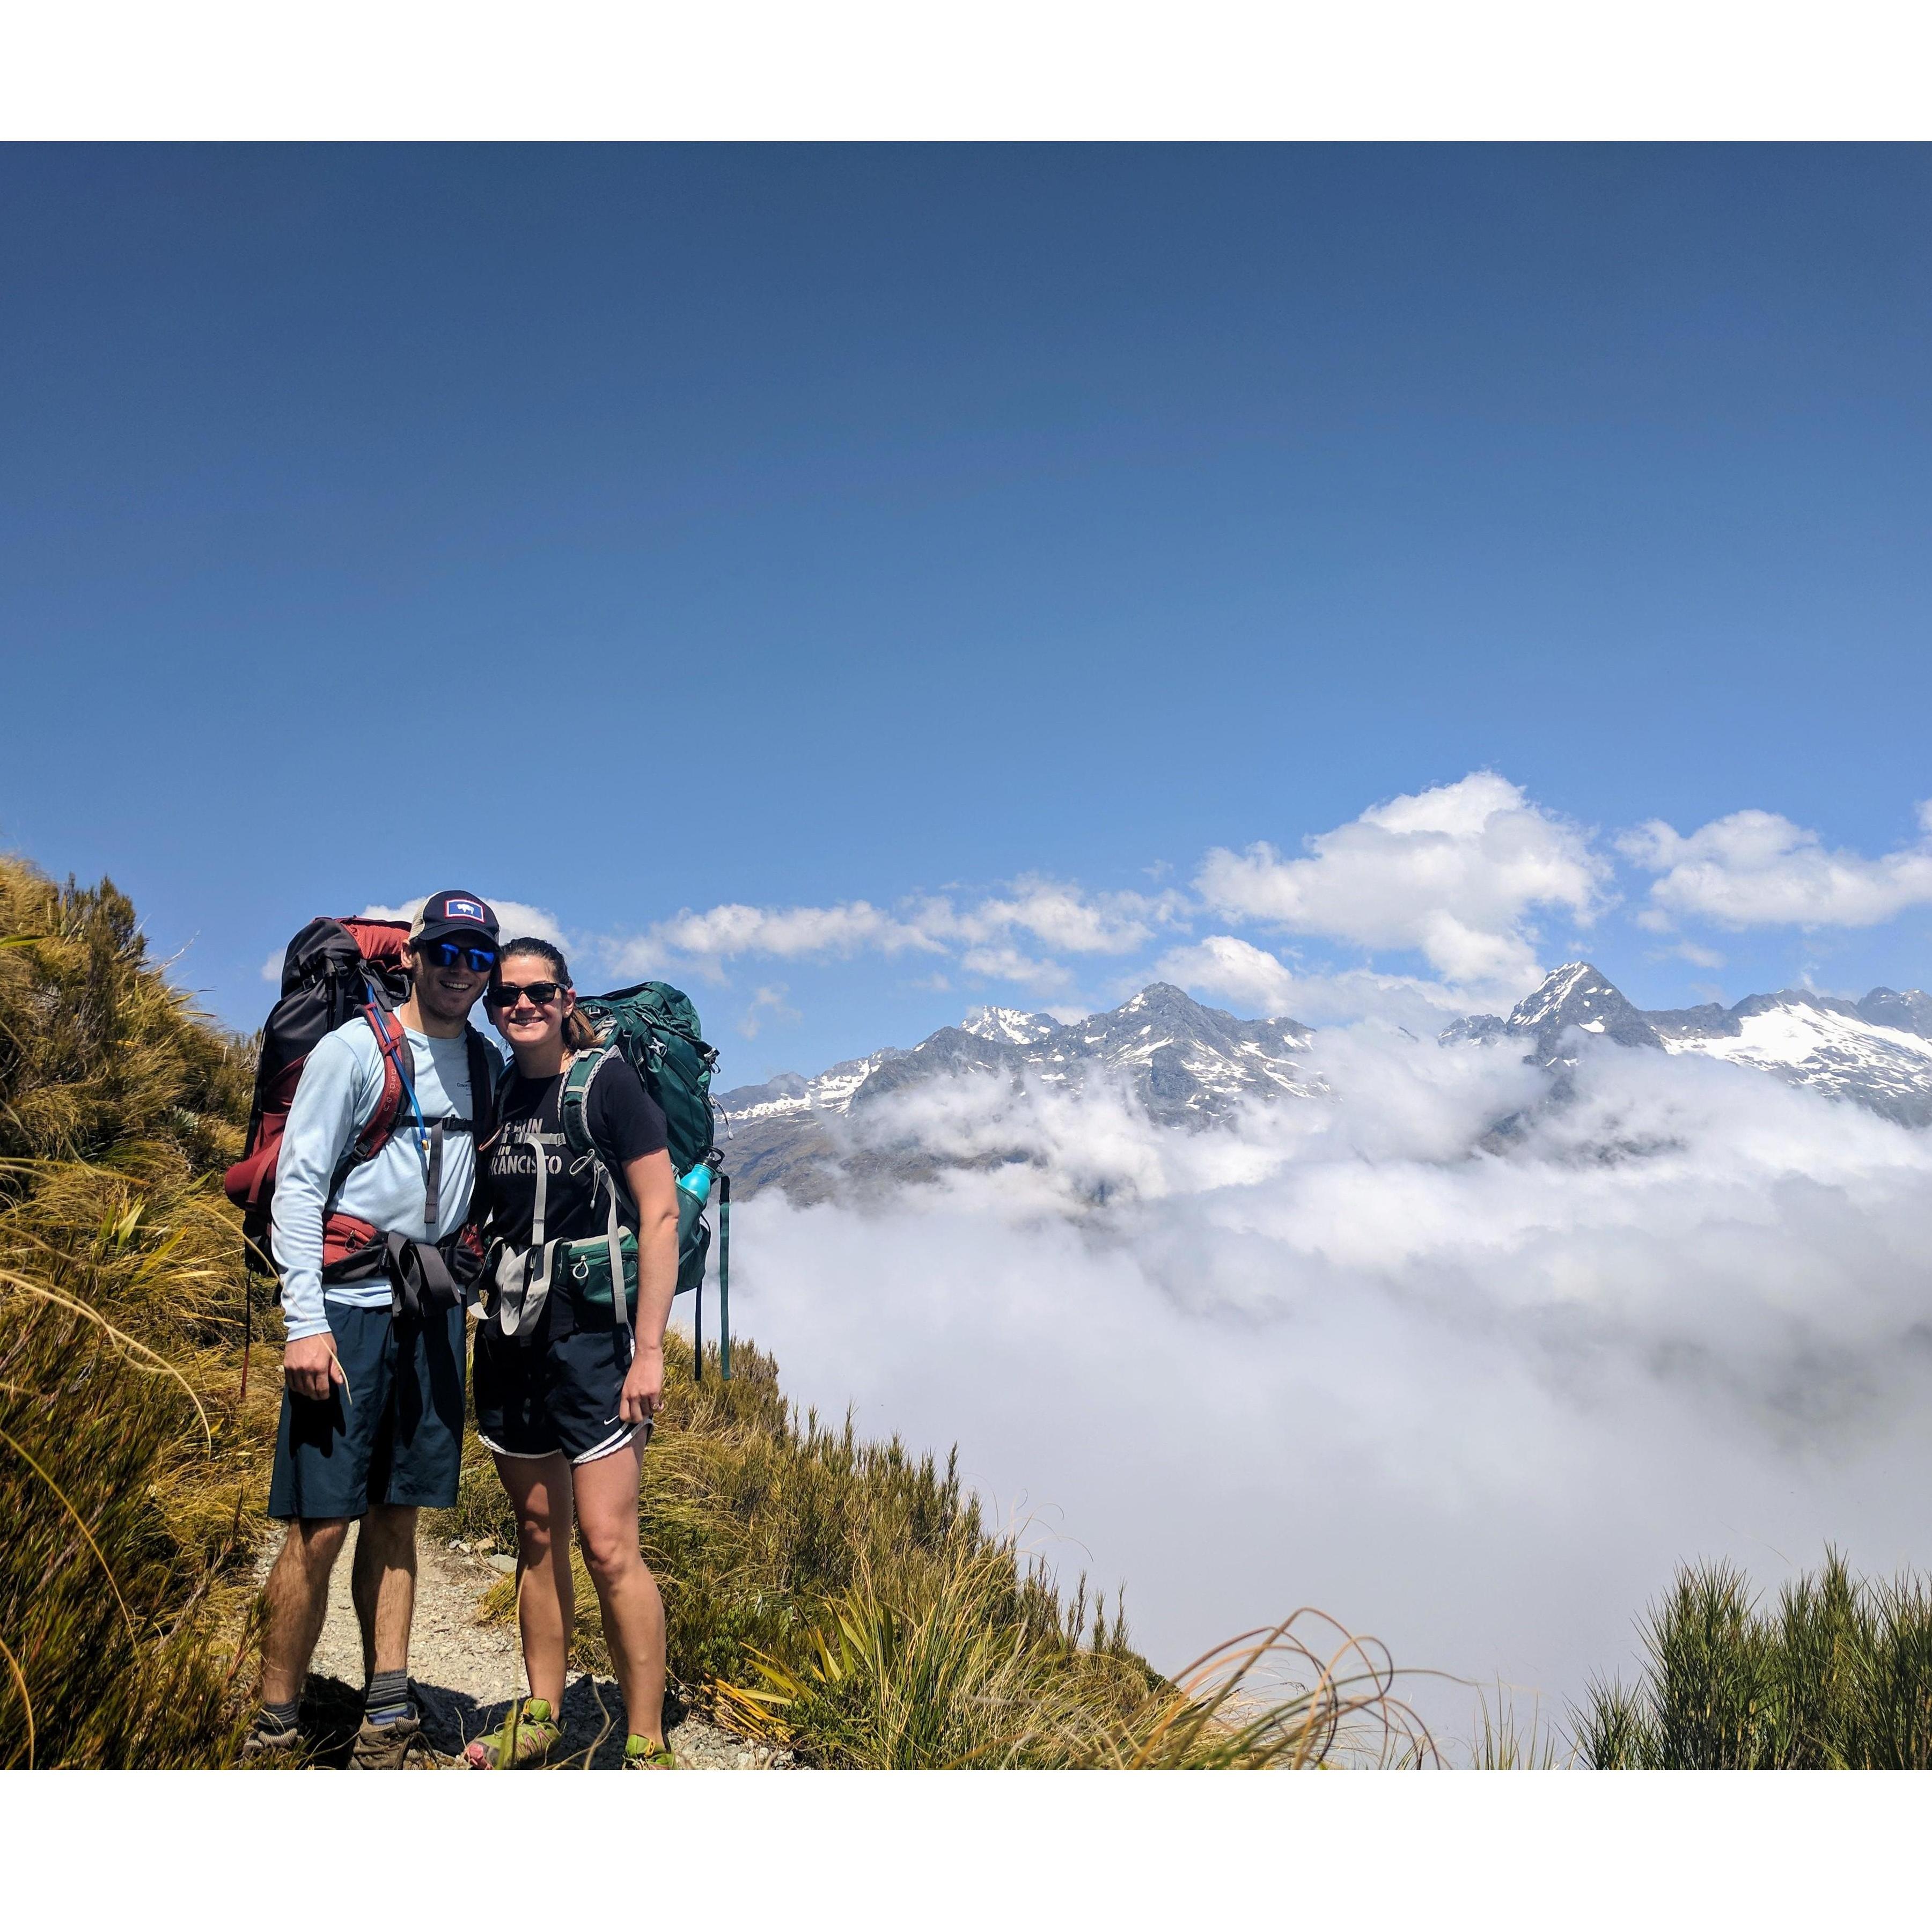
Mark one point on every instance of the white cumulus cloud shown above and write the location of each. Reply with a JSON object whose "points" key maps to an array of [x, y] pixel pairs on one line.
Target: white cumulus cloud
{"points": [[1064, 917], [1010, 964], [1222, 967], [980, 934], [768, 1005], [1758, 869], [782, 932], [1454, 873]]}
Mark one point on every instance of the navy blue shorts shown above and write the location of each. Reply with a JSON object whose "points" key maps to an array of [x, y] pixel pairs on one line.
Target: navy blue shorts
{"points": [[398, 1439], [558, 1391]]}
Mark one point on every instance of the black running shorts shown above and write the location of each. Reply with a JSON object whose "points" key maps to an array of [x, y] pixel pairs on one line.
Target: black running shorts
{"points": [[558, 1389]]}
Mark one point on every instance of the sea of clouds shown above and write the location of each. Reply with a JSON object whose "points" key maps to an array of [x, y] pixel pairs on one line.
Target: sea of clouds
{"points": [[1477, 1395]]}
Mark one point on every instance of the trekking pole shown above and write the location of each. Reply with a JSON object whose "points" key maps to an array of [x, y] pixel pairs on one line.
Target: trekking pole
{"points": [[697, 1328], [725, 1277]]}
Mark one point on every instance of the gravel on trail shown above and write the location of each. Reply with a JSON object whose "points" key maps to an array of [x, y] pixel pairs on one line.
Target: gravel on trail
{"points": [[467, 1674]]}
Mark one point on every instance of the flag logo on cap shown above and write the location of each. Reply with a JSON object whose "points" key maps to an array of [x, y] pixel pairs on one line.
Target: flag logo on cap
{"points": [[463, 909]]}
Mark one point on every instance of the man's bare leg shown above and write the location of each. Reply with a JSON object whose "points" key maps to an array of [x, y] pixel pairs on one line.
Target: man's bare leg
{"points": [[383, 1586], [297, 1596]]}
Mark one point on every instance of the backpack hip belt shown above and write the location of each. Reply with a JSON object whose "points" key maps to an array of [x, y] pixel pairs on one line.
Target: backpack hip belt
{"points": [[425, 1278]]}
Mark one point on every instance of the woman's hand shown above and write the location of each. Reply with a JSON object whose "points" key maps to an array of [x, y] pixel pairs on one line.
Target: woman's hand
{"points": [[655, 1193], [643, 1387]]}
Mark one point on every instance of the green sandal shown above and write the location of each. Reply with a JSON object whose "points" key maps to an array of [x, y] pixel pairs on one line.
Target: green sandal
{"points": [[641, 1754], [528, 1735]]}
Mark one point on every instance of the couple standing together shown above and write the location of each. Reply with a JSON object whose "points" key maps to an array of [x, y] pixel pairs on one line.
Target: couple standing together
{"points": [[477, 1182]]}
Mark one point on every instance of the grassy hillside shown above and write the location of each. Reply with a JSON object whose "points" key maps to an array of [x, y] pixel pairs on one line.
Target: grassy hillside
{"points": [[842, 1595], [131, 1470]]}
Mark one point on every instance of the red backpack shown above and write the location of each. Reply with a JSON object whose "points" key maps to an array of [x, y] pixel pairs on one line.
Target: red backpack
{"points": [[334, 969]]}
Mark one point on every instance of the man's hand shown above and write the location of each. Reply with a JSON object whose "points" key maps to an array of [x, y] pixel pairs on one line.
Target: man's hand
{"points": [[310, 1369], [643, 1387]]}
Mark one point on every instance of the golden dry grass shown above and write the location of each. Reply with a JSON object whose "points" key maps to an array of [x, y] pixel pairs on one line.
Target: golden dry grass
{"points": [[131, 1466]]}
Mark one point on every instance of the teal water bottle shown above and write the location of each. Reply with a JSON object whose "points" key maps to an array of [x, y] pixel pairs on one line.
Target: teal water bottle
{"points": [[697, 1183]]}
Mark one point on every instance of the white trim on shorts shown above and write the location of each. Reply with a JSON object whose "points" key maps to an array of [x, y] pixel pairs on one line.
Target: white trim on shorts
{"points": [[608, 1447], [610, 1444]]}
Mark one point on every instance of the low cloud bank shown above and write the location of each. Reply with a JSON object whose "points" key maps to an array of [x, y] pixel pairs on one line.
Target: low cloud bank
{"points": [[1475, 1395]]}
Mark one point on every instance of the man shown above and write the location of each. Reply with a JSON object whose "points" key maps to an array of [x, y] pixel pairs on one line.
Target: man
{"points": [[370, 1248]]}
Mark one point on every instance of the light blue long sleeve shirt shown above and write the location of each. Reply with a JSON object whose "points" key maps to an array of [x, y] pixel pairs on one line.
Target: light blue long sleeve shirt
{"points": [[341, 1083]]}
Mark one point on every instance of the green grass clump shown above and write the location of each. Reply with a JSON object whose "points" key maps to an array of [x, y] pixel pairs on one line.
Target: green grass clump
{"points": [[1504, 1739], [129, 1464], [1838, 1676]]}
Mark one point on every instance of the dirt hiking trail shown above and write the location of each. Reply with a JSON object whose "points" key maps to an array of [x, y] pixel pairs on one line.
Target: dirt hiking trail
{"points": [[466, 1673]]}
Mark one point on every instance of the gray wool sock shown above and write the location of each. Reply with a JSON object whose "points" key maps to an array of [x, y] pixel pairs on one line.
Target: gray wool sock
{"points": [[280, 1716], [387, 1698]]}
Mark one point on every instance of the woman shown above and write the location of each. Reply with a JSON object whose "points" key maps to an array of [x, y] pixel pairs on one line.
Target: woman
{"points": [[564, 1399]]}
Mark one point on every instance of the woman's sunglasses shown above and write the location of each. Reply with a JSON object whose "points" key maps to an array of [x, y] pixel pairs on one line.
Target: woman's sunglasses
{"points": [[538, 992], [446, 953]]}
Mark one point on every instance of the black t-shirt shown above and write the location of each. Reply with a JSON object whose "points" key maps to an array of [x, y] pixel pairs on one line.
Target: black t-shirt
{"points": [[625, 1122]]}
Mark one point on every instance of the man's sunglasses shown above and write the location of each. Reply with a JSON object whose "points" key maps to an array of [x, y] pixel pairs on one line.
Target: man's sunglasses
{"points": [[446, 953], [538, 992]]}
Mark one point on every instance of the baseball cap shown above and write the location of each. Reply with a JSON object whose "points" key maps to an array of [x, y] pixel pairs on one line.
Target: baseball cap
{"points": [[446, 915]]}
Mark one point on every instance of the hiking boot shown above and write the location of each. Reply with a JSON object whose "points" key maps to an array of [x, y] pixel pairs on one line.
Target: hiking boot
{"points": [[389, 1747], [270, 1746], [523, 1742]]}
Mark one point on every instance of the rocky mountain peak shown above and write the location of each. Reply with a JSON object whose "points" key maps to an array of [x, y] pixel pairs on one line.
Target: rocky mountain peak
{"points": [[1009, 1024], [1577, 995], [1877, 1051], [1187, 1065]]}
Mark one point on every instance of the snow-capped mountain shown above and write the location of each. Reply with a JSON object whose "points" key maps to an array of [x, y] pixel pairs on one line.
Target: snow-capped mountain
{"points": [[1190, 1065], [1005, 1023], [1187, 1064], [1876, 1051]]}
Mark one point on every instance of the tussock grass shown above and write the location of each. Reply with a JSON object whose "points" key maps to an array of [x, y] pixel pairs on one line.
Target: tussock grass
{"points": [[754, 1517], [131, 1471], [846, 1600], [1838, 1675], [1506, 1739]]}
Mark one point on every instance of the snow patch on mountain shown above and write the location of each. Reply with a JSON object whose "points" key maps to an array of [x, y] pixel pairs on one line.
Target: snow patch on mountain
{"points": [[1007, 1023], [1872, 1051], [1179, 1064], [1183, 1064]]}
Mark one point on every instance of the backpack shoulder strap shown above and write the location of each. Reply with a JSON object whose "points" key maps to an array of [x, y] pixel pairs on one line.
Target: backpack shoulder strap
{"points": [[483, 1109], [398, 1079], [573, 1104]]}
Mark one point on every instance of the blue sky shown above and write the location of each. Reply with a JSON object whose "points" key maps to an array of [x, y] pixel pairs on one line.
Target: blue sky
{"points": [[983, 538]]}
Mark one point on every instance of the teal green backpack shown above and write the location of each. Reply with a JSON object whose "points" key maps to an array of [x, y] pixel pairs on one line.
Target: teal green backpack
{"points": [[655, 1028]]}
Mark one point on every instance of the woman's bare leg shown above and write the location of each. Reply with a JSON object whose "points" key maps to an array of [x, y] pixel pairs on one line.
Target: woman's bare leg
{"points": [[539, 1488], [634, 1618]]}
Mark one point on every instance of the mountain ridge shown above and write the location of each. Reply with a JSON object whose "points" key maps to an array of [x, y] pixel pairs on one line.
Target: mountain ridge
{"points": [[1187, 1065], [1190, 1065], [1876, 1051]]}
